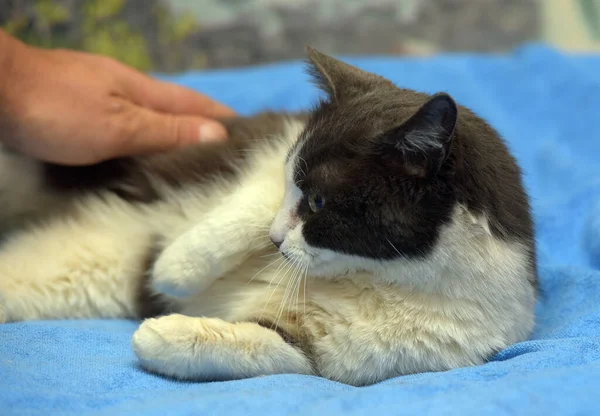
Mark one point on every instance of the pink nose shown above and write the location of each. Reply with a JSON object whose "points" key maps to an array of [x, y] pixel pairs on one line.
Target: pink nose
{"points": [[276, 242]]}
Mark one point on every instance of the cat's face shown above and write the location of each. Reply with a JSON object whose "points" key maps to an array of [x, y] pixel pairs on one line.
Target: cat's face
{"points": [[370, 178]]}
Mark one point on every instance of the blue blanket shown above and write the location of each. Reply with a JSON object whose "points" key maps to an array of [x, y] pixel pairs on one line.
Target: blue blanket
{"points": [[547, 105]]}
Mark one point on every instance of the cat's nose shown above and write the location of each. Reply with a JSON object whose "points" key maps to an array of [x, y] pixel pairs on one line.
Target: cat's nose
{"points": [[276, 242]]}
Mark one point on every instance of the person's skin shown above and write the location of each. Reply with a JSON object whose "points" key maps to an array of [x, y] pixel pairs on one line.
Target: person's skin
{"points": [[76, 108]]}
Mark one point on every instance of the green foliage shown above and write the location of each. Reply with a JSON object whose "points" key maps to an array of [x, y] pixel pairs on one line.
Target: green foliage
{"points": [[102, 9], [105, 32], [50, 13], [140, 33], [15, 26], [119, 41], [172, 29]]}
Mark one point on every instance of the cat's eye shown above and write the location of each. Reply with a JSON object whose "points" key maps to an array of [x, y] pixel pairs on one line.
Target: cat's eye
{"points": [[316, 202]]}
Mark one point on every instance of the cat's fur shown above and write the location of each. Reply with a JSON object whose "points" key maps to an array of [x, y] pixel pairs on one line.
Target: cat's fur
{"points": [[419, 255]]}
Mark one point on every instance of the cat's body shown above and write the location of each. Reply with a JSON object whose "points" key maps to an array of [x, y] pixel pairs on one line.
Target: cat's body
{"points": [[416, 266]]}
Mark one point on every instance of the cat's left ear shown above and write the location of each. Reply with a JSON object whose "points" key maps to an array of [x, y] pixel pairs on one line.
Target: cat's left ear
{"points": [[424, 140], [339, 80]]}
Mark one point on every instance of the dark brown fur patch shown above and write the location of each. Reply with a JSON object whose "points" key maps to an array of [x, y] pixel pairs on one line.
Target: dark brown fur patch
{"points": [[198, 164], [287, 337], [124, 177], [132, 178], [298, 341], [148, 302]]}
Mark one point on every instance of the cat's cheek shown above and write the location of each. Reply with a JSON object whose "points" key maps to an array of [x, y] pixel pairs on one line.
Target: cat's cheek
{"points": [[319, 262]]}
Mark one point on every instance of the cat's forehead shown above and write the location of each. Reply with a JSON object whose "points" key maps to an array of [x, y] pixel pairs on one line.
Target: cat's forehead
{"points": [[331, 131], [342, 131], [325, 167], [367, 114]]}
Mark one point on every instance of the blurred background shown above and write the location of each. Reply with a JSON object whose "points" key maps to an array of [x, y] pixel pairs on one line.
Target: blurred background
{"points": [[180, 35]]}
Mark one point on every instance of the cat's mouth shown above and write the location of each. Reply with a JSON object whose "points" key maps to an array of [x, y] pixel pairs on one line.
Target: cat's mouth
{"points": [[311, 264], [301, 257], [294, 256]]}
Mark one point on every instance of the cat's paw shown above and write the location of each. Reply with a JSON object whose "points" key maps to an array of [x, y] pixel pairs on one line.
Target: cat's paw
{"points": [[210, 349], [159, 341], [180, 346], [180, 273]]}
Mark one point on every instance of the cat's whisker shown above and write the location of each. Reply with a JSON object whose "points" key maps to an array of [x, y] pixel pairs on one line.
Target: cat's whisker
{"points": [[304, 292], [260, 237], [262, 245], [284, 296], [263, 233], [279, 269], [277, 253], [299, 286], [275, 275], [264, 242], [260, 241], [289, 291], [393, 246], [256, 228], [295, 290], [263, 269], [284, 277]]}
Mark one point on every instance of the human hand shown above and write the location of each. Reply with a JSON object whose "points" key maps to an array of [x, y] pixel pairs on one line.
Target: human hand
{"points": [[75, 108]]}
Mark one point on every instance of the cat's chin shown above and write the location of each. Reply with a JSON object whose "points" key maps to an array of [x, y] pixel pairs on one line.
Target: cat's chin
{"points": [[326, 264], [315, 267], [333, 270]]}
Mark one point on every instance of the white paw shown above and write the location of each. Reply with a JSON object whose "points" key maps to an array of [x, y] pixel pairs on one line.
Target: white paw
{"points": [[181, 273], [211, 349], [158, 343], [179, 346]]}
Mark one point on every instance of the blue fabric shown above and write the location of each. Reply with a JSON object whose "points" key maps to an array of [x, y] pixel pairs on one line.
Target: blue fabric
{"points": [[546, 105]]}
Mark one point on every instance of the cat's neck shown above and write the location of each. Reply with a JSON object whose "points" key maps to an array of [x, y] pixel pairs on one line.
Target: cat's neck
{"points": [[467, 262]]}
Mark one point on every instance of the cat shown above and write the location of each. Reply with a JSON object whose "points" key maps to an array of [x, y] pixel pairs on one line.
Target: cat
{"points": [[384, 233]]}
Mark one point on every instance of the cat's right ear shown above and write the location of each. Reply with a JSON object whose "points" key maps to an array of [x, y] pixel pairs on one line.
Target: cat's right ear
{"points": [[337, 79], [423, 142]]}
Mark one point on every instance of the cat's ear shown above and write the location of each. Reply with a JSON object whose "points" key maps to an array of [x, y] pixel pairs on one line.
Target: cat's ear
{"points": [[424, 140], [337, 79]]}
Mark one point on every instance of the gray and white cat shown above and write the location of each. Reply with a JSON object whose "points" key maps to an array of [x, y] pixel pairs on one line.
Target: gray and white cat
{"points": [[385, 233]]}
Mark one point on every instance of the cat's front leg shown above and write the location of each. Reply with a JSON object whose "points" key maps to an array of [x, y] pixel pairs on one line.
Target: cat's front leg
{"points": [[222, 240], [211, 349]]}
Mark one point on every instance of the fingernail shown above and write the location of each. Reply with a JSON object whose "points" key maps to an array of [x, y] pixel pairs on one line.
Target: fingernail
{"points": [[212, 132]]}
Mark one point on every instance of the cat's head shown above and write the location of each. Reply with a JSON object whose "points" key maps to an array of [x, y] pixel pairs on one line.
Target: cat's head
{"points": [[370, 178]]}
